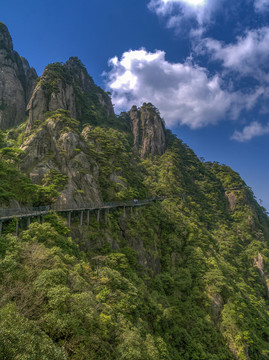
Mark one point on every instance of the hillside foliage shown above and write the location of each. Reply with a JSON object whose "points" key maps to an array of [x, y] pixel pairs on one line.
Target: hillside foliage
{"points": [[182, 278], [179, 279]]}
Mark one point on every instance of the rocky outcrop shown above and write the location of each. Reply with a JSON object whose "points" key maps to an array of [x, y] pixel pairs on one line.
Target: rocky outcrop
{"points": [[217, 306], [56, 148], [16, 82], [69, 87], [90, 95], [148, 130], [259, 263], [232, 199], [61, 86], [44, 99]]}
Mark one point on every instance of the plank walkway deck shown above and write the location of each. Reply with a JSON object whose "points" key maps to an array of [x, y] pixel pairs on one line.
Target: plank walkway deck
{"points": [[27, 212]]}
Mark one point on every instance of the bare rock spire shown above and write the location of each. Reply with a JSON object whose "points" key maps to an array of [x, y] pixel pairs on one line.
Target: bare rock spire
{"points": [[148, 130], [16, 82]]}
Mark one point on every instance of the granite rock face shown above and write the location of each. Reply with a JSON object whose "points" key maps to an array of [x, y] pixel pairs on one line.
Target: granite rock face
{"points": [[17, 80], [148, 130], [44, 99], [54, 147], [68, 86], [62, 86], [58, 105]]}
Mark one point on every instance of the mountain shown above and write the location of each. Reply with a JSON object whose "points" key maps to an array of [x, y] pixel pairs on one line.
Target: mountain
{"points": [[68, 87], [148, 130], [16, 82], [184, 277]]}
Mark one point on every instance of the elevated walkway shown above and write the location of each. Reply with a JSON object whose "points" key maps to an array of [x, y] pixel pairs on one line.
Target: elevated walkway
{"points": [[31, 212]]}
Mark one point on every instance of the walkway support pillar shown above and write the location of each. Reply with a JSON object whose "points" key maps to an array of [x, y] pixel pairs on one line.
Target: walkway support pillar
{"points": [[81, 218], [131, 210], [124, 211], [17, 226], [69, 218], [88, 217], [1, 226], [98, 215], [106, 212], [28, 221]]}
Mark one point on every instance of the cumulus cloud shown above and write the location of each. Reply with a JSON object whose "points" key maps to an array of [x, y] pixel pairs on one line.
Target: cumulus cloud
{"points": [[248, 56], [184, 93], [261, 5], [250, 131], [177, 10]]}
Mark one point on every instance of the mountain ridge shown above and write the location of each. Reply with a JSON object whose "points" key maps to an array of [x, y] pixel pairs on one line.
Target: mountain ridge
{"points": [[182, 279]]}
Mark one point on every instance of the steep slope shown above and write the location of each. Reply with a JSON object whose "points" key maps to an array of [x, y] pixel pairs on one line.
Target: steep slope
{"points": [[17, 80], [55, 154], [179, 279], [68, 87], [148, 130], [182, 279]]}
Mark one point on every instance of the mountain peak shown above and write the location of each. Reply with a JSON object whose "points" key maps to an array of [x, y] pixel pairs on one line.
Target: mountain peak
{"points": [[16, 82], [5, 38], [69, 86], [148, 130], [79, 73], [75, 63]]}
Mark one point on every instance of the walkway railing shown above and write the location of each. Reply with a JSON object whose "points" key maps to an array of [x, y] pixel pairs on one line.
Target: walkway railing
{"points": [[105, 205], [9, 213]]}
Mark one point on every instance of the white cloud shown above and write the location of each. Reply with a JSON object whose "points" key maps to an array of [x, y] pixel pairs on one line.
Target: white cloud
{"points": [[177, 10], [189, 2], [248, 56], [250, 131], [261, 5], [184, 93]]}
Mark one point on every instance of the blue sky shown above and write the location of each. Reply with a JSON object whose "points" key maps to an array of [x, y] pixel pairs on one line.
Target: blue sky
{"points": [[203, 63]]}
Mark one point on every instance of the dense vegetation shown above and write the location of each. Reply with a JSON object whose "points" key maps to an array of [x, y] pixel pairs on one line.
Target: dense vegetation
{"points": [[179, 279], [185, 278]]}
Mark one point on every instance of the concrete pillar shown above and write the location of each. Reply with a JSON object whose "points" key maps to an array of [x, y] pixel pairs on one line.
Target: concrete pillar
{"points": [[131, 210], [88, 217], [106, 212], [39, 219], [28, 221], [69, 218], [81, 218], [1, 225], [124, 211], [17, 226], [98, 215]]}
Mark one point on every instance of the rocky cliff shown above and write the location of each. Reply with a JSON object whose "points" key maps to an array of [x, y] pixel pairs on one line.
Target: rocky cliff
{"points": [[16, 82], [69, 87], [182, 278], [148, 130], [56, 154]]}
